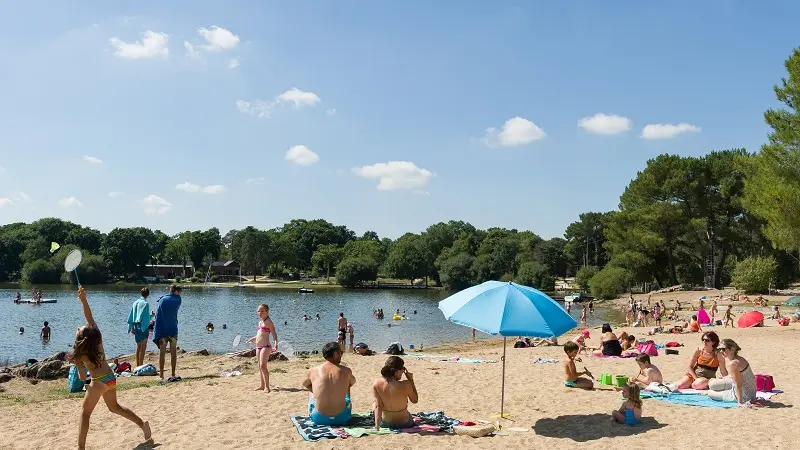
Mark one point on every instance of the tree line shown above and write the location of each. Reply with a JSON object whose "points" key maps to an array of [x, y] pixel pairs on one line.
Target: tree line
{"points": [[728, 216]]}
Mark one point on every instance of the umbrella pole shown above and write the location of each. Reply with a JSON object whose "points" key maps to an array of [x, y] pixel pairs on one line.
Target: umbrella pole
{"points": [[503, 385]]}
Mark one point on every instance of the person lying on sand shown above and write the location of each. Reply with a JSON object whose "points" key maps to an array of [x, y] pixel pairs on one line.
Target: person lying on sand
{"points": [[391, 395], [572, 378], [648, 373], [329, 386]]}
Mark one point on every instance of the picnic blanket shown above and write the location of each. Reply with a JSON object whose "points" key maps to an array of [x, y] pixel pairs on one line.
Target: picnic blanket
{"points": [[364, 425], [624, 355]]}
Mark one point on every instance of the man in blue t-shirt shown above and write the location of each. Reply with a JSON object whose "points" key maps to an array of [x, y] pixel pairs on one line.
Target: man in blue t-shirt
{"points": [[166, 329]]}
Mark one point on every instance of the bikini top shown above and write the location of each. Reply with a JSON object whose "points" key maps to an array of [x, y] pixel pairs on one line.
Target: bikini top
{"points": [[262, 327], [711, 363]]}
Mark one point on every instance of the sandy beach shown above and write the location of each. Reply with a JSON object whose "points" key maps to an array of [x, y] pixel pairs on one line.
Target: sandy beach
{"points": [[208, 411]]}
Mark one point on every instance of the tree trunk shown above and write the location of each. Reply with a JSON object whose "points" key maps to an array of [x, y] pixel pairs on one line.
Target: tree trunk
{"points": [[673, 277], [328, 273]]}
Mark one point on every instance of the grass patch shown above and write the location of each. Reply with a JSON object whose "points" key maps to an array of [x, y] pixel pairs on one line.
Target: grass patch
{"points": [[278, 370]]}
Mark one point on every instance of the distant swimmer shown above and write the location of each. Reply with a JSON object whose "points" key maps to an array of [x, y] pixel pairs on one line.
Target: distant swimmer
{"points": [[210, 327]]}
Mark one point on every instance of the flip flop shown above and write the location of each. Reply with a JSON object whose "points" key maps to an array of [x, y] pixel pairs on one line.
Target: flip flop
{"points": [[174, 379]]}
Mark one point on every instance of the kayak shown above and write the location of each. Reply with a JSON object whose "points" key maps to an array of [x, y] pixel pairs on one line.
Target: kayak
{"points": [[44, 300]]}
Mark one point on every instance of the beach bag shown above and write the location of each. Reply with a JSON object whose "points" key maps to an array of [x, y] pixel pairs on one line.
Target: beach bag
{"points": [[124, 367], [648, 348], [395, 349], [783, 321], [673, 344], [145, 369], [74, 380], [764, 383]]}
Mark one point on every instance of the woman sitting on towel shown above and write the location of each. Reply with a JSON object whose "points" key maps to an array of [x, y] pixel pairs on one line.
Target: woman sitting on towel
{"points": [[703, 365], [391, 395], [740, 385], [609, 343]]}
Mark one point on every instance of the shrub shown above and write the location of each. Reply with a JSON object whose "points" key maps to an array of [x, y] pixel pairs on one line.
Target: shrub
{"points": [[536, 275], [584, 275], [214, 278], [193, 279], [178, 279], [41, 271], [610, 282], [455, 272], [353, 271], [753, 275]]}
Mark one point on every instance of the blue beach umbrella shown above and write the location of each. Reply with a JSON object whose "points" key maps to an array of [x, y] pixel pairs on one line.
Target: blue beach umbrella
{"points": [[793, 301], [507, 309]]}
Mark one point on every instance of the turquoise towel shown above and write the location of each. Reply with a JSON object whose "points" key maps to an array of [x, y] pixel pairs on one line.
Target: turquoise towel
{"points": [[695, 400], [140, 313]]}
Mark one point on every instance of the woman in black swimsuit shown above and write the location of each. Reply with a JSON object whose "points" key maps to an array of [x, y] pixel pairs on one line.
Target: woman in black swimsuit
{"points": [[609, 343]]}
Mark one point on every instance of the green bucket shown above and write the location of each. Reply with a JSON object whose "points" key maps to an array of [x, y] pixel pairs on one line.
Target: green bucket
{"points": [[622, 380], [606, 379]]}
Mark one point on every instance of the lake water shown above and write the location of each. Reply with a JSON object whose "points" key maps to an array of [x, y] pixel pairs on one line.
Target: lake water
{"points": [[237, 309]]}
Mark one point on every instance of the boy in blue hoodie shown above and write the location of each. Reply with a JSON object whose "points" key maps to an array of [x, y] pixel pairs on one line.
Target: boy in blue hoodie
{"points": [[138, 324]]}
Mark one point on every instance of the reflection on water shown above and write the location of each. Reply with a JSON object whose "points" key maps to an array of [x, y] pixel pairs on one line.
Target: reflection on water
{"points": [[235, 308]]}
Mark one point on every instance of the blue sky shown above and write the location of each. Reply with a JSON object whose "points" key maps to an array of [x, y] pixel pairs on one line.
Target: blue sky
{"points": [[368, 114]]}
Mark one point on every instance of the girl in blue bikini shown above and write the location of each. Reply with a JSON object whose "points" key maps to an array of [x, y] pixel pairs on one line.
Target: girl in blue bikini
{"points": [[630, 413], [88, 351]]}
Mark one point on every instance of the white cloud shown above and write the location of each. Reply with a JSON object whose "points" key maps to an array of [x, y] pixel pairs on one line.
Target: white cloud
{"points": [[70, 202], [7, 203], [255, 181], [218, 39], [116, 194], [396, 175], [302, 155], [23, 197], [605, 124], [330, 112], [667, 130], [152, 44], [190, 50], [234, 63], [261, 108], [195, 188], [258, 108], [298, 97], [92, 160], [516, 131], [155, 205]]}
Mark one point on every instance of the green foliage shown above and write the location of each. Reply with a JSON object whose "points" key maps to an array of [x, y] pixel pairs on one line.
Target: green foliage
{"points": [[326, 257], [41, 271], [755, 274], [610, 282], [535, 274], [353, 271], [456, 271], [214, 278], [92, 270], [193, 279], [409, 258], [773, 183], [584, 275]]}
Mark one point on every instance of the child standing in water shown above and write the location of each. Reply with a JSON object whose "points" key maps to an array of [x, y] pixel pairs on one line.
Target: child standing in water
{"points": [[630, 413], [583, 315], [263, 346], [88, 351]]}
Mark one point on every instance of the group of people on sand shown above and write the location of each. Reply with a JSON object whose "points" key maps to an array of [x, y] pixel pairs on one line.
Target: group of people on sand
{"points": [[164, 325], [329, 392], [736, 381]]}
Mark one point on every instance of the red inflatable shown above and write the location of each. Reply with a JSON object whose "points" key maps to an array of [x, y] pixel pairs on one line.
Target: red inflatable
{"points": [[751, 319]]}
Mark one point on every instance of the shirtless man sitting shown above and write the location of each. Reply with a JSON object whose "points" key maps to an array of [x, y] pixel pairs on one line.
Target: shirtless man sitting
{"points": [[391, 395], [329, 386]]}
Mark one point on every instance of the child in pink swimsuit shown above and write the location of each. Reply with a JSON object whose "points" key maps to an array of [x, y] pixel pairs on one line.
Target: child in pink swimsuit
{"points": [[263, 346]]}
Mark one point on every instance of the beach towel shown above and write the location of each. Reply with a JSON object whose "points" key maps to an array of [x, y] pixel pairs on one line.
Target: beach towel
{"points": [[693, 397], [545, 361], [139, 316], [364, 425], [167, 317]]}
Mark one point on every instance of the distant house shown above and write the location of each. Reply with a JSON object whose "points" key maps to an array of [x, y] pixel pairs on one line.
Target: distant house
{"points": [[225, 268], [169, 270]]}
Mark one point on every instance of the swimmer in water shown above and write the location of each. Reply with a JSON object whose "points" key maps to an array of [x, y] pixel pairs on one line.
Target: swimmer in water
{"points": [[210, 327]]}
